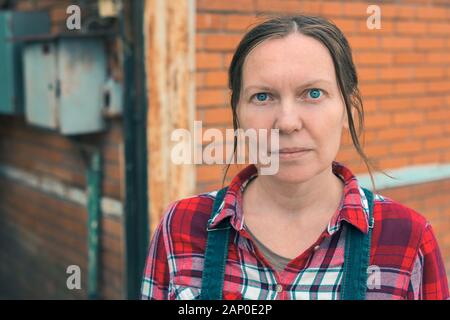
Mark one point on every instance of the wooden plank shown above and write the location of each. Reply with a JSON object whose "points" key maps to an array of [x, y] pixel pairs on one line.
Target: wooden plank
{"points": [[169, 31]]}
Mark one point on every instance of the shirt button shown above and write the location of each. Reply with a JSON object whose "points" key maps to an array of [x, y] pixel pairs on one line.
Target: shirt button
{"points": [[279, 288], [316, 248]]}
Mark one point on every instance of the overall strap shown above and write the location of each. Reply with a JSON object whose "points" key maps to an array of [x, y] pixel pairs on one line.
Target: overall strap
{"points": [[215, 255], [356, 259]]}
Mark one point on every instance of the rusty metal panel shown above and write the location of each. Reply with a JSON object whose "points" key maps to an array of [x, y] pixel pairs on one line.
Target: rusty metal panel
{"points": [[82, 71], [13, 25], [41, 85]]}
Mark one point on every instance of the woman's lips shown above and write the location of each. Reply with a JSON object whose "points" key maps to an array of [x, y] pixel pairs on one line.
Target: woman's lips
{"points": [[291, 153]]}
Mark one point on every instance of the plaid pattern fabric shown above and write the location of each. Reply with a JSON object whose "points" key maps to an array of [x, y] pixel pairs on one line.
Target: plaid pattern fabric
{"points": [[405, 261]]}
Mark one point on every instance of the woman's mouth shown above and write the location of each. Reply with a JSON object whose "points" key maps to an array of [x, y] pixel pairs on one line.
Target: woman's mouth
{"points": [[291, 153]]}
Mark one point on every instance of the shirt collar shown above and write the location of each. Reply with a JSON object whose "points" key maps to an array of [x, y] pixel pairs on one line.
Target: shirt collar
{"points": [[353, 207]]}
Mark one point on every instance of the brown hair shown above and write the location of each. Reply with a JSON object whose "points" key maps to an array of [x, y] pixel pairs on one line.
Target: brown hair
{"points": [[334, 40]]}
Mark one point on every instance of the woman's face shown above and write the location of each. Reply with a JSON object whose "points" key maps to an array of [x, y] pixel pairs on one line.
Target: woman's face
{"points": [[290, 84]]}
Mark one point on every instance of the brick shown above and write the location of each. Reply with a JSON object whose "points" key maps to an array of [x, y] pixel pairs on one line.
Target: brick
{"points": [[275, 6], [311, 6], [363, 42], [409, 58], [113, 227], [112, 171], [394, 162], [367, 74], [406, 147], [438, 143], [410, 27], [433, 13], [111, 153], [377, 150], [409, 88], [376, 89], [113, 189], [216, 79], [115, 261], [200, 80], [429, 72], [396, 42], [208, 61], [240, 23], [347, 154], [223, 6], [438, 115], [407, 118], [370, 58], [220, 42], [110, 283], [405, 11], [217, 116], [437, 58], [425, 158], [112, 244], [393, 133], [389, 10], [439, 28], [427, 130], [208, 21], [393, 104], [427, 43], [332, 8], [227, 59], [442, 86], [396, 73], [210, 97]]}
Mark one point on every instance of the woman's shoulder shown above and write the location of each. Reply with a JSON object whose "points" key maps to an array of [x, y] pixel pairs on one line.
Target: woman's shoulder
{"points": [[189, 214], [396, 218]]}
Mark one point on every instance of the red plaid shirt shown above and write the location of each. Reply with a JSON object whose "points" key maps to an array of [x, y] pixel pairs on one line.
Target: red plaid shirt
{"points": [[405, 261]]}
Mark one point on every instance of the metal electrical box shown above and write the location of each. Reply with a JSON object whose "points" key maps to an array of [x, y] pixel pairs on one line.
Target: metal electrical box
{"points": [[64, 81], [12, 25]]}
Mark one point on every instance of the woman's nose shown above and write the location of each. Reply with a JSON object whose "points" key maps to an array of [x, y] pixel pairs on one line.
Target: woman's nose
{"points": [[288, 118]]}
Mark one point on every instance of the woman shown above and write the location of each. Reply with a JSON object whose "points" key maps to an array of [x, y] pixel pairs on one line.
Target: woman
{"points": [[309, 231]]}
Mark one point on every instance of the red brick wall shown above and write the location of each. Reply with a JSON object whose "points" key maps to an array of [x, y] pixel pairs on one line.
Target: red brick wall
{"points": [[404, 72], [41, 234]]}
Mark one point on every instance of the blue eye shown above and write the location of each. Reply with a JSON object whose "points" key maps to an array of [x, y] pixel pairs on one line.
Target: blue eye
{"points": [[262, 96], [314, 93]]}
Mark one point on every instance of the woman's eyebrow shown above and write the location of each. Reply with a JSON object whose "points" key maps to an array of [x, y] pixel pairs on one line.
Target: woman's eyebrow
{"points": [[308, 83], [315, 82], [264, 88]]}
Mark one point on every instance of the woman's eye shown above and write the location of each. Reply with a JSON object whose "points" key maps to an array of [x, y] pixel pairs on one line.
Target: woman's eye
{"points": [[314, 93], [262, 97]]}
